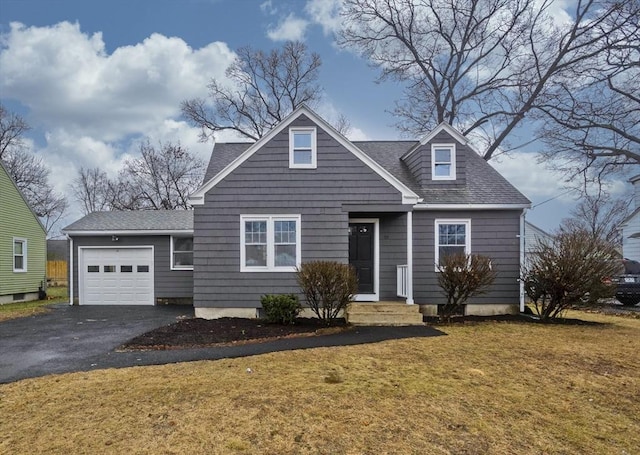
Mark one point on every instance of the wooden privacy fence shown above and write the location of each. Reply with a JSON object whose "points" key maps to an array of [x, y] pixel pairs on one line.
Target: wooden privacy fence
{"points": [[57, 273]]}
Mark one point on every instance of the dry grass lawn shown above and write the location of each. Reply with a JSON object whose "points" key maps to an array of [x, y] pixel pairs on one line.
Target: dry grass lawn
{"points": [[23, 309], [491, 388]]}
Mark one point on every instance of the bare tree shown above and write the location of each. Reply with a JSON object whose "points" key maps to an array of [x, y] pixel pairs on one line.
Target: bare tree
{"points": [[600, 216], [28, 171], [93, 189], [12, 129], [596, 114], [160, 179], [262, 90], [482, 65]]}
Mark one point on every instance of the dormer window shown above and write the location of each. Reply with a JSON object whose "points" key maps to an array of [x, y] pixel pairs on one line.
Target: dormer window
{"points": [[302, 148], [443, 162]]}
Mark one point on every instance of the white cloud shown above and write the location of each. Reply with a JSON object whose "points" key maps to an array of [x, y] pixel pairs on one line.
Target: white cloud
{"points": [[292, 28], [268, 8], [326, 13], [530, 177], [94, 108], [68, 80]]}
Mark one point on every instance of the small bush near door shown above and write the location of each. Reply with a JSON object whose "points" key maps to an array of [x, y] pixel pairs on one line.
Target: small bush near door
{"points": [[328, 287], [281, 308]]}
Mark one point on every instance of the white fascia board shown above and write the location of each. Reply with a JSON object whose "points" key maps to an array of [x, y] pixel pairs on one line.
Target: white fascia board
{"points": [[128, 232], [471, 206], [443, 126], [408, 196]]}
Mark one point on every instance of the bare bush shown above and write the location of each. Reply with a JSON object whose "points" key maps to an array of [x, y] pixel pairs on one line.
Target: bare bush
{"points": [[462, 276], [570, 269], [328, 287]]}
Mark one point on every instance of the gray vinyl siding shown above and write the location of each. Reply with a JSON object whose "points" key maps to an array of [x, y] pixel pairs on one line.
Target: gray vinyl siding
{"points": [[420, 162], [493, 233], [167, 283], [264, 184], [393, 252]]}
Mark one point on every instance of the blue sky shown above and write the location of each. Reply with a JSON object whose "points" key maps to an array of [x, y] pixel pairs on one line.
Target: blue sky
{"points": [[94, 78]]}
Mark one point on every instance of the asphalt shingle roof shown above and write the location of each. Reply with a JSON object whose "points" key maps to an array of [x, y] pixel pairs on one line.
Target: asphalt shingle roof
{"points": [[140, 220], [483, 184]]}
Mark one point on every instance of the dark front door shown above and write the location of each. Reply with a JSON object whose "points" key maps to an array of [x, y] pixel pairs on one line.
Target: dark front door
{"points": [[361, 240]]}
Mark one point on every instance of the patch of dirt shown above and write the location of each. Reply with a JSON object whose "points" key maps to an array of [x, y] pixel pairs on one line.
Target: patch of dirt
{"points": [[612, 308], [198, 333]]}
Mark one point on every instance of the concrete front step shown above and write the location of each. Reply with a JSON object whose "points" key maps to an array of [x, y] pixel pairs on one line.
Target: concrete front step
{"points": [[384, 314]]}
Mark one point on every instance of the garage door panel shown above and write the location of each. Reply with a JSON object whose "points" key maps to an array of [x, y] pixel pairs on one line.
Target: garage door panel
{"points": [[116, 276]]}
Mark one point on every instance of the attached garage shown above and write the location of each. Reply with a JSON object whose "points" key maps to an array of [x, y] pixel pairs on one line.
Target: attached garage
{"points": [[131, 258], [116, 276]]}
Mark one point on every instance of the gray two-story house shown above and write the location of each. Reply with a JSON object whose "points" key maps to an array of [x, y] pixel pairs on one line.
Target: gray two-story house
{"points": [[301, 193], [304, 192]]}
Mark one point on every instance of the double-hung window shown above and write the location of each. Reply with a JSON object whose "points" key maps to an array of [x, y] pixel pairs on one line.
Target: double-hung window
{"points": [[269, 243], [182, 253], [452, 237], [302, 148], [443, 162], [19, 255]]}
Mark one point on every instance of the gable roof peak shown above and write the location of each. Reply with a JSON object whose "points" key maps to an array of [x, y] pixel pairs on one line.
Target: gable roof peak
{"points": [[443, 126], [197, 197]]}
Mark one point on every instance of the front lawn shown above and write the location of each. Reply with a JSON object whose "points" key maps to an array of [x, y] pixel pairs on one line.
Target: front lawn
{"points": [[486, 388], [22, 309]]}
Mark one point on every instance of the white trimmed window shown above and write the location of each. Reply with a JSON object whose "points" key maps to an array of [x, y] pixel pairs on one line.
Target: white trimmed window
{"points": [[182, 253], [19, 255], [452, 237], [302, 148], [443, 161], [269, 243]]}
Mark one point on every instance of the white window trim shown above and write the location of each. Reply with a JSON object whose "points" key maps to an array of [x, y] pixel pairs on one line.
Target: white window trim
{"points": [[270, 219], [314, 148], [173, 266], [452, 175], [24, 254], [467, 245]]}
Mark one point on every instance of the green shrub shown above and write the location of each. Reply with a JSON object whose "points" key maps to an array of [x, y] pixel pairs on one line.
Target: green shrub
{"points": [[462, 276], [328, 287], [281, 308]]}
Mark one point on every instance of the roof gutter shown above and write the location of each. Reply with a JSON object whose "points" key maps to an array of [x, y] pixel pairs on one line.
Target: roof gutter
{"points": [[77, 233], [471, 206]]}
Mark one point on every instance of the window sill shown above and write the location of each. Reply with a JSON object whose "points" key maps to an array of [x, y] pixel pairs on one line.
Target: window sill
{"points": [[265, 269]]}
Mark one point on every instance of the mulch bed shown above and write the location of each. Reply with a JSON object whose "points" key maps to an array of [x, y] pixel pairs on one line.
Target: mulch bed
{"points": [[198, 333], [521, 318]]}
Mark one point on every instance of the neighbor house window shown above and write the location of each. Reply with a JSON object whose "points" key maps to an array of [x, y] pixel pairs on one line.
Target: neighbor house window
{"points": [[269, 243], [443, 162], [182, 253], [19, 255], [302, 148], [452, 237]]}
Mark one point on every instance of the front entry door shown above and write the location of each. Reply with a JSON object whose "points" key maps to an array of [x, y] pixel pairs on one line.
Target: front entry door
{"points": [[361, 238]]}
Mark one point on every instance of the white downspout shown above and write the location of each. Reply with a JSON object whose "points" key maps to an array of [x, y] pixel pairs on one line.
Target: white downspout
{"points": [[410, 258], [70, 270], [522, 247]]}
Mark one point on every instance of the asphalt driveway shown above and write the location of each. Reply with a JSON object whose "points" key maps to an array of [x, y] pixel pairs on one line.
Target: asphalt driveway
{"points": [[74, 338], [83, 338]]}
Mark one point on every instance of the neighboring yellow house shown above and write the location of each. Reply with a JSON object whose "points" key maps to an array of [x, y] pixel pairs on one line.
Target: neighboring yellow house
{"points": [[23, 245]]}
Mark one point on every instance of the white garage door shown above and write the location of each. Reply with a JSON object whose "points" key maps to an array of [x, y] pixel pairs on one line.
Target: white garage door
{"points": [[116, 276]]}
